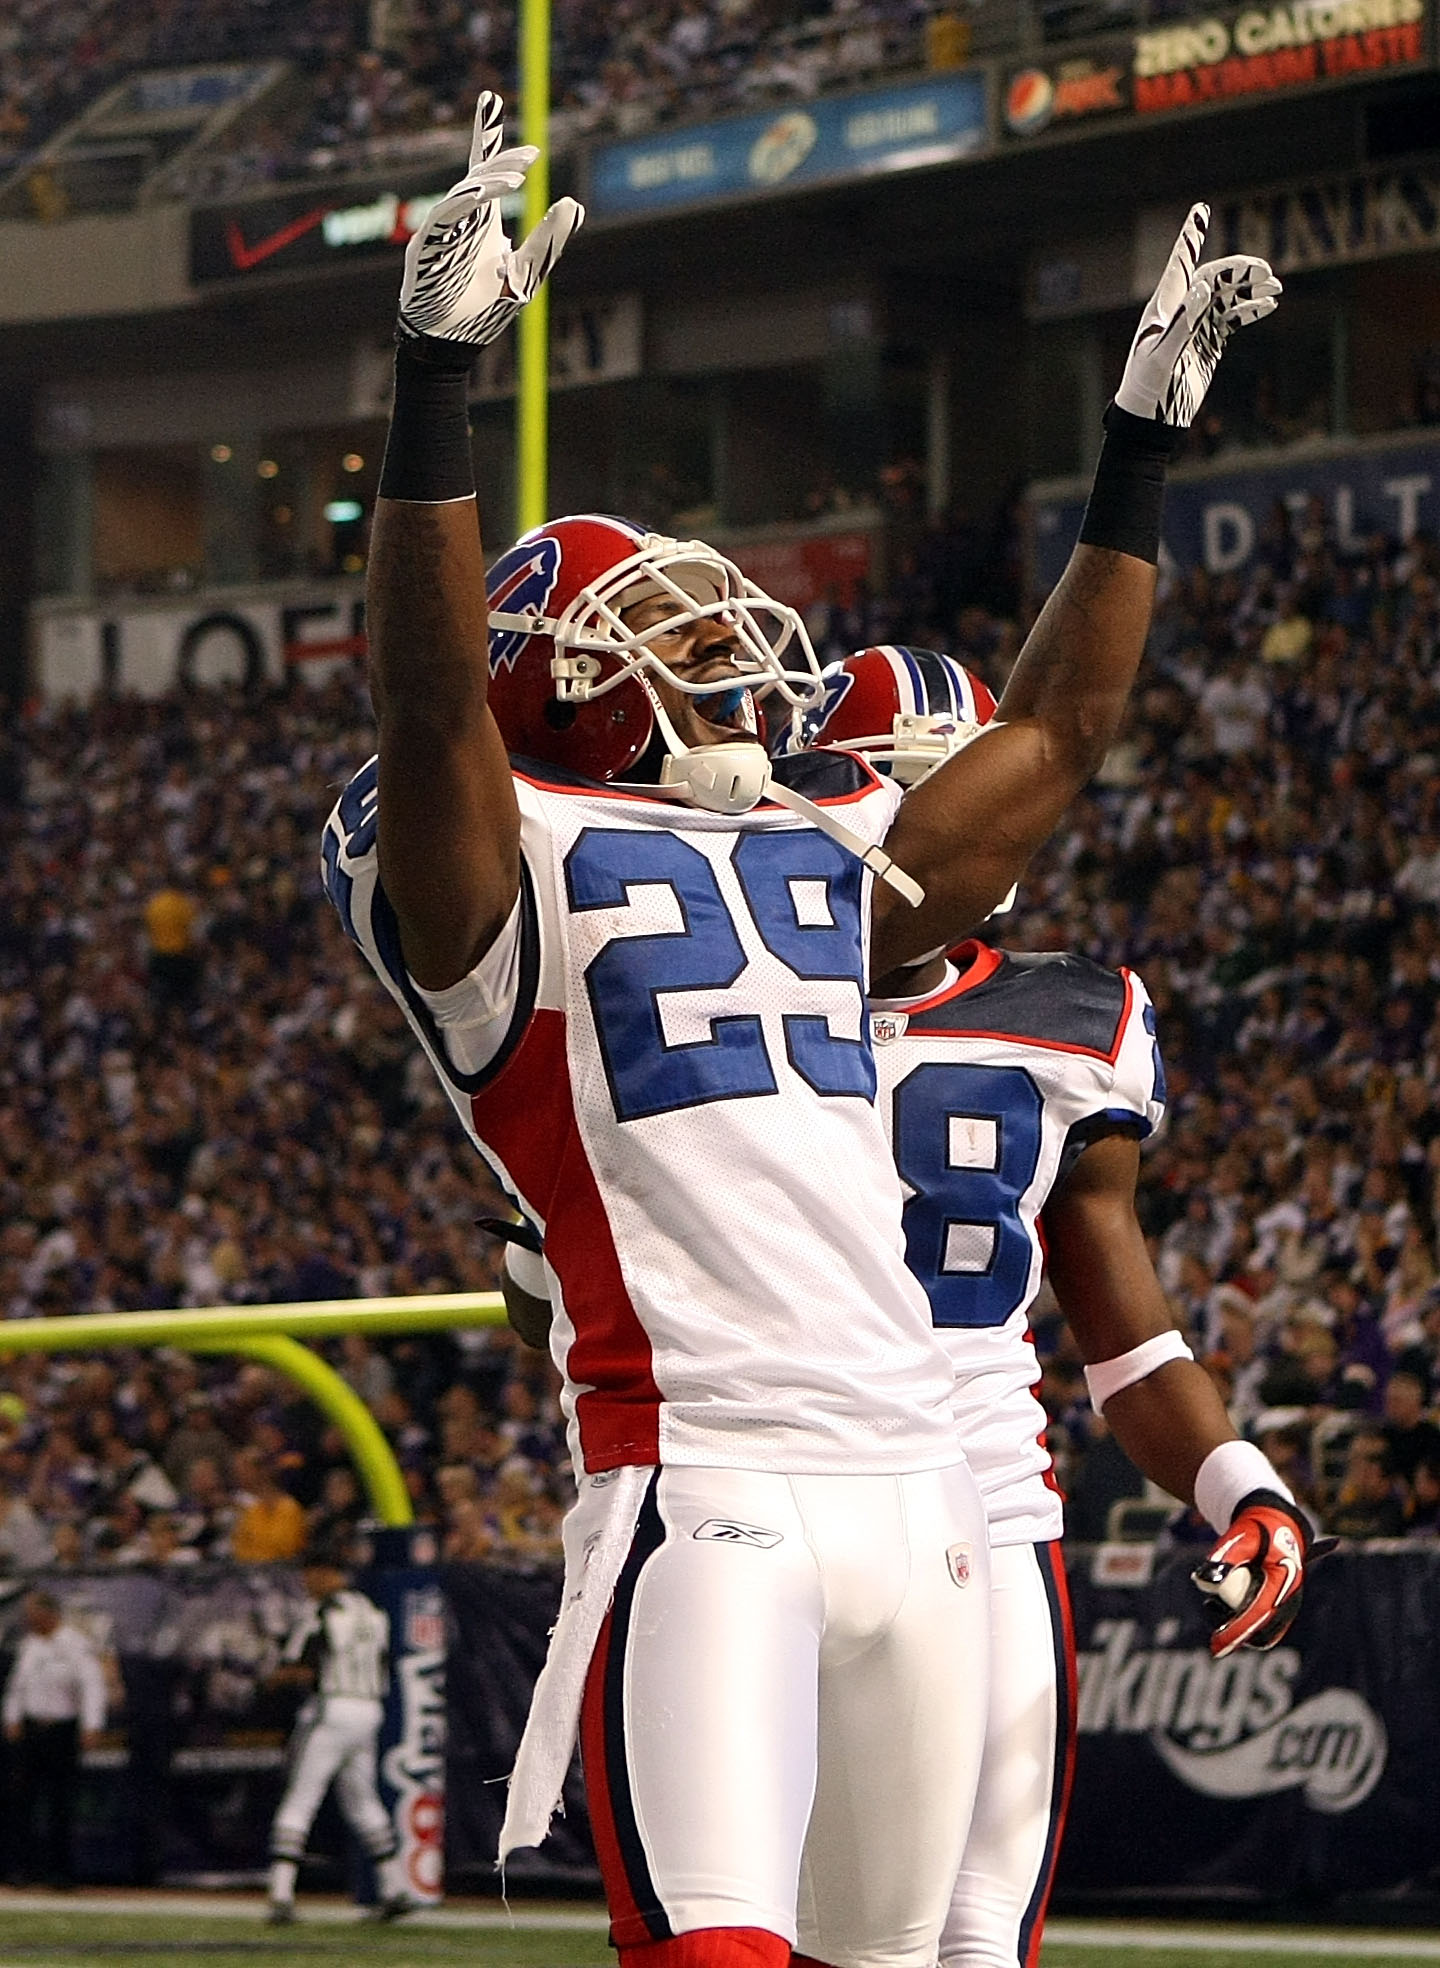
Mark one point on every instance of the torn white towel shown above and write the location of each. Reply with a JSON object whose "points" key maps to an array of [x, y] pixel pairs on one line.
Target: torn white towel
{"points": [[598, 1534]]}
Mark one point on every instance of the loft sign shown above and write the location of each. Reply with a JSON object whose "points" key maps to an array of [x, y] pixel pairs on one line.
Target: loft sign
{"points": [[1332, 221]]}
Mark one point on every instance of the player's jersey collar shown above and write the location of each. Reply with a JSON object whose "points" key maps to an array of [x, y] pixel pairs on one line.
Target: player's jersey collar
{"points": [[968, 964]]}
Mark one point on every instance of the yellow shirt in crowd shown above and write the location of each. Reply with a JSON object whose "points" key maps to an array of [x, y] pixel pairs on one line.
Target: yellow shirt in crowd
{"points": [[170, 922], [269, 1531]]}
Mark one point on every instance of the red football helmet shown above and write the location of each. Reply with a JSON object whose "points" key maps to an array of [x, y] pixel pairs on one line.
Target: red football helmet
{"points": [[568, 679], [906, 710]]}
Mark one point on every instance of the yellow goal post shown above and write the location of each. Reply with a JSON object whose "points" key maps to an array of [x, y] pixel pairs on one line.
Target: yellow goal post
{"points": [[274, 1334]]}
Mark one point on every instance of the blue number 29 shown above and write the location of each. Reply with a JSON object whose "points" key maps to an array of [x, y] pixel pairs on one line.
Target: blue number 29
{"points": [[647, 1073], [967, 1141]]}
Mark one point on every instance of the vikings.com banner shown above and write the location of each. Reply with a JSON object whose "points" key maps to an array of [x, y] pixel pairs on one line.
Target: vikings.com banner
{"points": [[1308, 1770]]}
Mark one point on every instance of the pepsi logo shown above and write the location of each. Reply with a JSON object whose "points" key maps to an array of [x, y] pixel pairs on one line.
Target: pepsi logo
{"points": [[783, 147], [1029, 102]]}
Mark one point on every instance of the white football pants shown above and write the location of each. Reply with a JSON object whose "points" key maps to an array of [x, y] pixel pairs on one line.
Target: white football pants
{"points": [[784, 1715], [336, 1746], [1003, 1884]]}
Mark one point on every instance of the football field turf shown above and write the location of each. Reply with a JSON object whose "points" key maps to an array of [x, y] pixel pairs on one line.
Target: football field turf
{"points": [[156, 1932]]}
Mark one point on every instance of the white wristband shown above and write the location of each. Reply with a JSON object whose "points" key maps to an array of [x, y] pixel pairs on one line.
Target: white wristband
{"points": [[527, 1269], [1108, 1377], [1231, 1471]]}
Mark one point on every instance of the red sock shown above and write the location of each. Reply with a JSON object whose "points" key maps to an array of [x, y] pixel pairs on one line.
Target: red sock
{"points": [[711, 1947]]}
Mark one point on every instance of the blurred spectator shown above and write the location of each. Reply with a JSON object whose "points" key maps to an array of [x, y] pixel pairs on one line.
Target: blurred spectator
{"points": [[25, 1544], [1422, 1518], [1411, 1437], [1105, 1477], [270, 1524], [54, 1706], [1368, 1505], [170, 925], [199, 1438], [332, 1524], [206, 1515], [1235, 705]]}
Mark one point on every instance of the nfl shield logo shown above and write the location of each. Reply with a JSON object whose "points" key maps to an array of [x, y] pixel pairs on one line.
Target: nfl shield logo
{"points": [[887, 1026], [958, 1559]]}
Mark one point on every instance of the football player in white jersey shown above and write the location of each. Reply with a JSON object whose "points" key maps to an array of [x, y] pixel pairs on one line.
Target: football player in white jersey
{"points": [[635, 954], [340, 1647], [1016, 1091]]}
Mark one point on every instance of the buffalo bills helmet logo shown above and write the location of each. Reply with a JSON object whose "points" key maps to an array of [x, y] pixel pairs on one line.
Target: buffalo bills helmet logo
{"points": [[838, 684], [520, 582]]}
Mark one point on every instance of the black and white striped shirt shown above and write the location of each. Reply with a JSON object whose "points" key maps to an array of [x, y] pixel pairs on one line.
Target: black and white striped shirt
{"points": [[346, 1640]]}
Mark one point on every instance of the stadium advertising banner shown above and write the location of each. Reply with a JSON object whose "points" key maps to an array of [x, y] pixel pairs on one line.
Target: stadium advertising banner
{"points": [[403, 1582], [1232, 54], [1303, 1772], [1215, 520], [148, 648], [834, 138], [311, 229], [1363, 215]]}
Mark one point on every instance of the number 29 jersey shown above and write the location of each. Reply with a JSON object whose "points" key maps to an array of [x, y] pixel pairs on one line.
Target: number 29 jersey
{"points": [[989, 1089], [665, 1061]]}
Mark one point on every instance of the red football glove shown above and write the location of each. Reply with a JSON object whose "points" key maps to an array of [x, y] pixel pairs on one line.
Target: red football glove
{"points": [[1256, 1573]]}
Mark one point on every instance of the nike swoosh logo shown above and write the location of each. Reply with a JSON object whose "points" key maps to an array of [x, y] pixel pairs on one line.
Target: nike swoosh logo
{"points": [[243, 257]]}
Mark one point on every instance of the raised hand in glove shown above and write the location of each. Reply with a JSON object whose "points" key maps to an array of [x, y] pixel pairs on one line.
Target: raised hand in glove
{"points": [[464, 282], [1256, 1573], [1184, 329]]}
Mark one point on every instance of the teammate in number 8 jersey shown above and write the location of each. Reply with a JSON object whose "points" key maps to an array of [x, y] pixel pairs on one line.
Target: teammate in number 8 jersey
{"points": [[635, 953], [995, 1085], [1016, 1091]]}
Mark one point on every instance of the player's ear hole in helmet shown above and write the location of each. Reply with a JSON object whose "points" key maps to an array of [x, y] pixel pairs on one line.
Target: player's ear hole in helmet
{"points": [[571, 678]]}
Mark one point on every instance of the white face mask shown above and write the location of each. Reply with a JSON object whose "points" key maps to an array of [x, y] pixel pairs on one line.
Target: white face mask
{"points": [[773, 656]]}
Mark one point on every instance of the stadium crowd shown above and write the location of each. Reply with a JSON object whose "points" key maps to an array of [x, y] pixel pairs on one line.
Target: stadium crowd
{"points": [[202, 1105], [377, 78], [204, 1099]]}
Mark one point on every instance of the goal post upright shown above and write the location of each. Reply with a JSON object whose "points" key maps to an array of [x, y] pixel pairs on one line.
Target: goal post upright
{"points": [[532, 386]]}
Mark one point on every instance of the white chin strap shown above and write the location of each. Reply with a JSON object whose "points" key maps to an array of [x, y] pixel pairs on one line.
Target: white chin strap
{"points": [[734, 777]]}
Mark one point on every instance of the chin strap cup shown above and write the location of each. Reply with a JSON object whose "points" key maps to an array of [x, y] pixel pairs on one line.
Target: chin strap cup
{"points": [[719, 778]]}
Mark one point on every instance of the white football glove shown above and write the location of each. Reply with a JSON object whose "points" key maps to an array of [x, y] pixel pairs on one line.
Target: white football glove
{"points": [[1191, 316], [463, 280]]}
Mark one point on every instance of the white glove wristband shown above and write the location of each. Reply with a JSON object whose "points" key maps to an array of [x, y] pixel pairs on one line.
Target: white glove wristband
{"points": [[1106, 1378], [1231, 1471], [526, 1268]]}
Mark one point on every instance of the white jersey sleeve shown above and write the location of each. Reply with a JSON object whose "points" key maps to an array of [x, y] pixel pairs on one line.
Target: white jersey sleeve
{"points": [[469, 1028], [991, 1089]]}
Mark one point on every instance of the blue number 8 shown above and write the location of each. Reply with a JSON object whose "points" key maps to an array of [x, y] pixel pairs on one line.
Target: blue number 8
{"points": [[649, 1075], [967, 1141]]}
